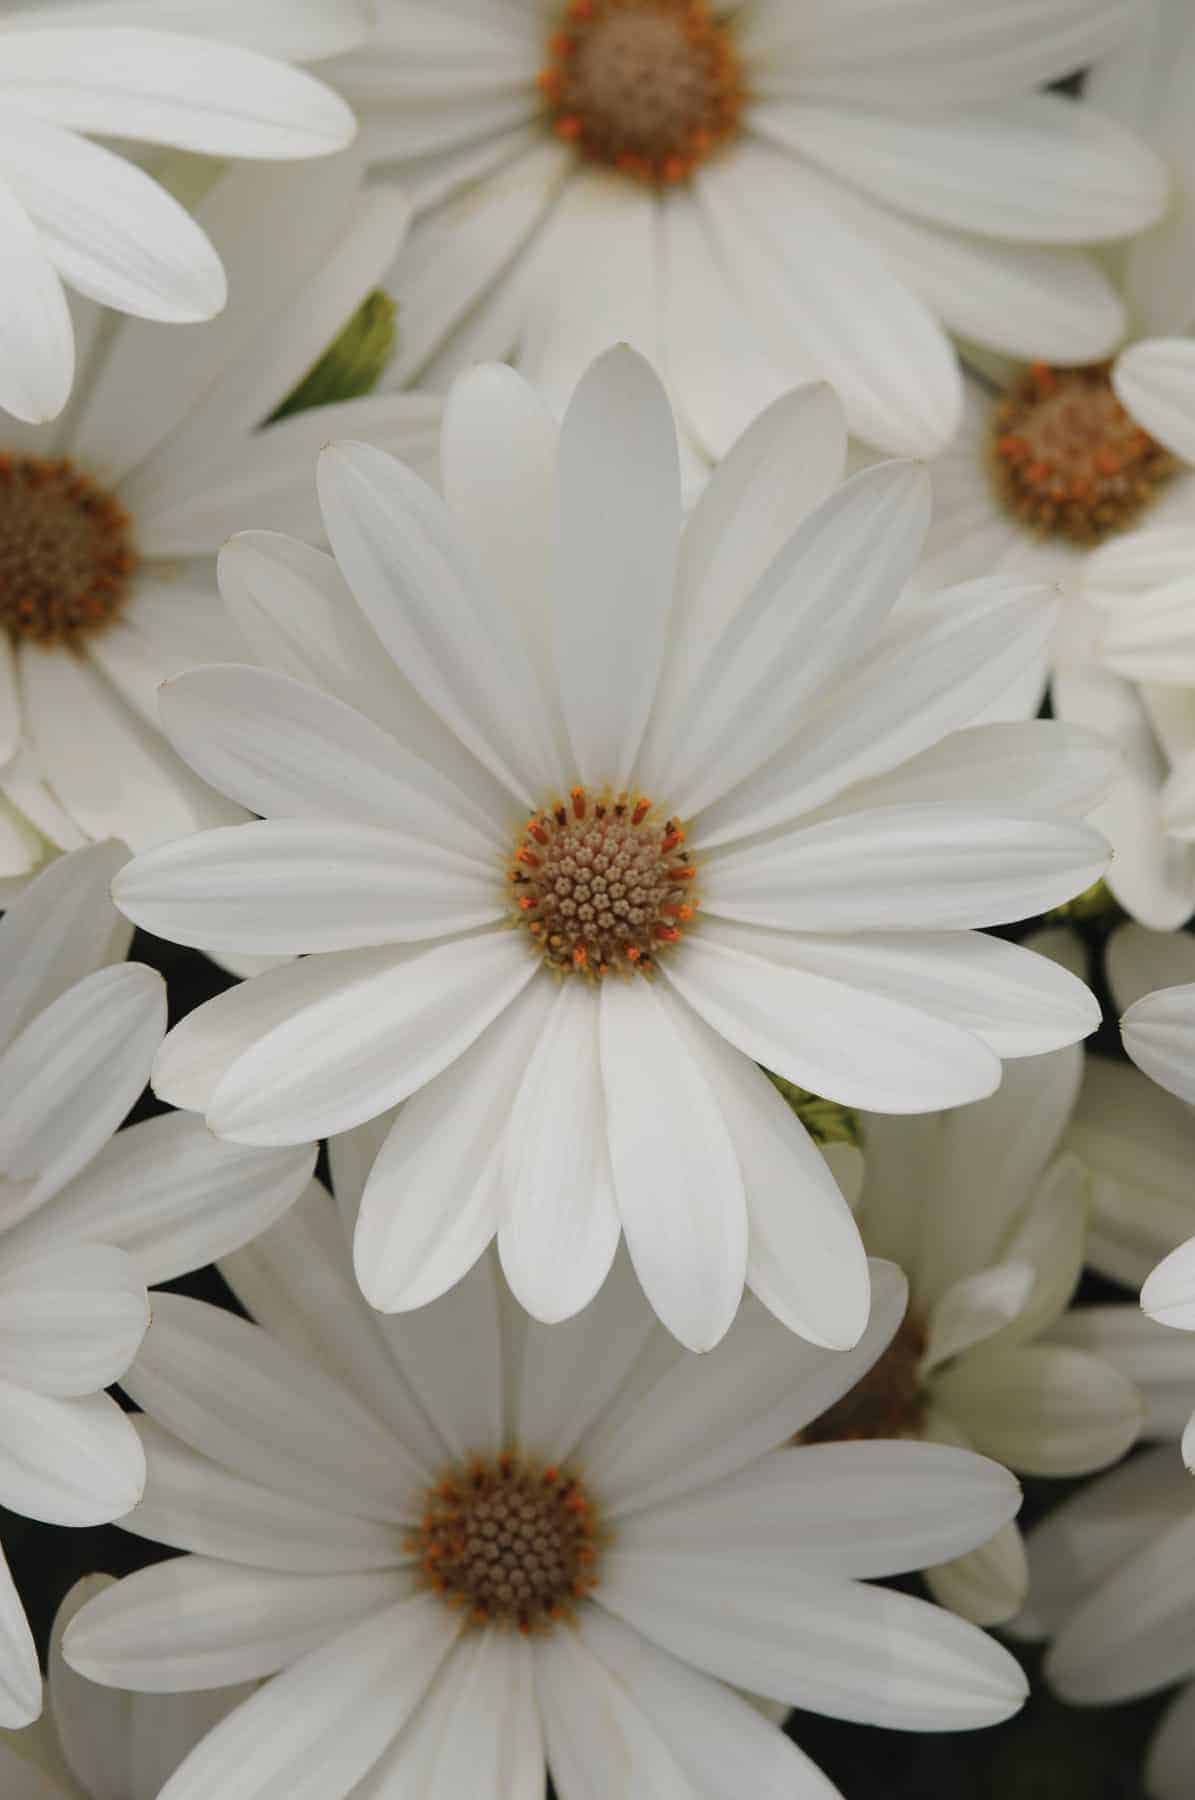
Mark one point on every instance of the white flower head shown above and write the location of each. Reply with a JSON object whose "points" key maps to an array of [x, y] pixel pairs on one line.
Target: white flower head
{"points": [[753, 194], [612, 814], [110, 518], [90, 1213], [74, 213], [461, 1544], [988, 1220], [96, 1743]]}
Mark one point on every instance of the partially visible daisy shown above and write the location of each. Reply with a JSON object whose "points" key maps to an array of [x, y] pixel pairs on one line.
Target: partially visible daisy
{"points": [[88, 1216], [110, 520], [73, 212], [95, 1743], [460, 1545], [987, 1221], [583, 817], [752, 192]]}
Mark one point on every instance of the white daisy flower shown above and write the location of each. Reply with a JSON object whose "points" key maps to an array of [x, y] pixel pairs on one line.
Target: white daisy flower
{"points": [[753, 193], [462, 1544], [95, 1743], [111, 518], [1112, 1574], [73, 212], [987, 1221], [90, 1217], [612, 814]]}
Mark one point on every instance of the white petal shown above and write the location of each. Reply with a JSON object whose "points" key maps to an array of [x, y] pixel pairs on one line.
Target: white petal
{"points": [[925, 678], [20, 1677], [842, 316], [286, 886], [1159, 1035], [1156, 382], [37, 343], [326, 1067], [74, 1072], [837, 1647], [1160, 1364], [1042, 1410], [71, 1319], [858, 1047], [110, 231], [560, 1228], [758, 1387], [784, 464], [417, 583], [299, 33], [1172, 1749], [805, 1258], [69, 1462], [619, 530], [720, 1741], [434, 1197], [973, 1309], [677, 1178], [196, 1623], [1169, 1294], [1033, 168], [822, 599], [853, 1509], [61, 928], [988, 1585], [194, 1504], [913, 868], [229, 1390], [1133, 1634], [597, 1738], [170, 1195], [167, 88]]}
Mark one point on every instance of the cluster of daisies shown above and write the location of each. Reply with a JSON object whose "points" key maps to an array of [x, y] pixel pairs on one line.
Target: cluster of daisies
{"points": [[615, 580]]}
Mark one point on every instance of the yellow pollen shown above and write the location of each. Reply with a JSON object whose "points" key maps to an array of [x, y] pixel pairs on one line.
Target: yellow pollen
{"points": [[1068, 460], [66, 553], [887, 1402], [511, 1541], [596, 883], [649, 87]]}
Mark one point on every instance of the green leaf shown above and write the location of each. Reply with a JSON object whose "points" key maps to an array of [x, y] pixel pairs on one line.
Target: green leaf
{"points": [[352, 363], [825, 1120]]}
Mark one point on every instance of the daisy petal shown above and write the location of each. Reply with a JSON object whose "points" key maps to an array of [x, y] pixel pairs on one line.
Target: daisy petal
{"points": [[1160, 1364], [37, 343], [560, 1229], [848, 1044], [596, 1736], [328, 1066], [71, 1319], [232, 1392], [1133, 1634], [987, 1585], [75, 1461], [170, 1195], [279, 887], [1156, 382], [1169, 1294], [222, 1623], [823, 598], [1043, 1410], [1172, 1747], [420, 589], [677, 1178], [74, 1072], [844, 1649], [20, 1677], [853, 1509], [619, 529], [303, 33], [167, 88], [111, 232], [1159, 1035], [61, 928]]}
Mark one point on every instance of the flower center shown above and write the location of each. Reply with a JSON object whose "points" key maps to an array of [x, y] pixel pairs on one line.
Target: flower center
{"points": [[66, 552], [888, 1402], [649, 86], [515, 1542], [1068, 460], [602, 883]]}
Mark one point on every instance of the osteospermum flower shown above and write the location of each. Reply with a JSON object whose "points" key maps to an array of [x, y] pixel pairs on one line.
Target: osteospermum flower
{"points": [[73, 212], [460, 1545], [94, 1743], [89, 1217], [614, 814], [753, 194], [110, 520], [988, 1222]]}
